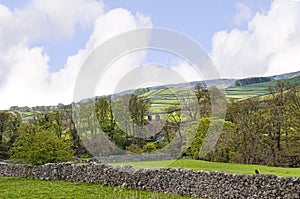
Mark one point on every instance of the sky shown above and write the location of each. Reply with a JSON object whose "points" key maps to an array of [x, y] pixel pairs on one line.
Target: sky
{"points": [[43, 44]]}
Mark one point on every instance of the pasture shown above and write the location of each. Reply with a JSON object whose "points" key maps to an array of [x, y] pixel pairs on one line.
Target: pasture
{"points": [[197, 165], [12, 187]]}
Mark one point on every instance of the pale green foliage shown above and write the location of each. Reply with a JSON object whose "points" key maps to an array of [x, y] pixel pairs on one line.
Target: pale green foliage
{"points": [[150, 147], [40, 146], [199, 138]]}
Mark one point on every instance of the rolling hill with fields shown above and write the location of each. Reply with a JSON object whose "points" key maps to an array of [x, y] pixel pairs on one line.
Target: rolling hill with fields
{"points": [[161, 97]]}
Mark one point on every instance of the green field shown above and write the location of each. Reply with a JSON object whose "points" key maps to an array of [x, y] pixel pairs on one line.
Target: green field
{"points": [[215, 166], [254, 90], [12, 187], [160, 99]]}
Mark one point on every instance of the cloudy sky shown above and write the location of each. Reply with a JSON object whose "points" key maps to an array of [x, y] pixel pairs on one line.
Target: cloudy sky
{"points": [[44, 43]]}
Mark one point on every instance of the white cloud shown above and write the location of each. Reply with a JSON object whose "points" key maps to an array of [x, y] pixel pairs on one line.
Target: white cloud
{"points": [[57, 19], [269, 46], [115, 22], [156, 75], [25, 78], [188, 72], [243, 14]]}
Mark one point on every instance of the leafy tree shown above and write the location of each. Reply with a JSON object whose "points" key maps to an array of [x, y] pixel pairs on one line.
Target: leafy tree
{"points": [[36, 145], [294, 106], [70, 117], [197, 142], [150, 147], [139, 108], [9, 124], [104, 115], [203, 98], [199, 138], [226, 149], [283, 120], [172, 131], [122, 114], [250, 119], [14, 108], [189, 105], [266, 128], [107, 112]]}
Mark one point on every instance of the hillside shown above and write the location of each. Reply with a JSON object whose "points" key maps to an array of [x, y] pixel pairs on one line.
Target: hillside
{"points": [[255, 90], [162, 96]]}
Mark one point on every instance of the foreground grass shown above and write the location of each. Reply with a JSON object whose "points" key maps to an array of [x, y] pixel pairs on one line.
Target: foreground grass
{"points": [[12, 187], [215, 166]]}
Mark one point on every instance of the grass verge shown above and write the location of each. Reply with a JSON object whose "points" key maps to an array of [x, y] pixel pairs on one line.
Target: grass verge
{"points": [[12, 187], [215, 166]]}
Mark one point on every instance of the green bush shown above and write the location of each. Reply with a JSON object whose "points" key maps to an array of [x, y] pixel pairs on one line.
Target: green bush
{"points": [[134, 148], [200, 136], [150, 147], [40, 147]]}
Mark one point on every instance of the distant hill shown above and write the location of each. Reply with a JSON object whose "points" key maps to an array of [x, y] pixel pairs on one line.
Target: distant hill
{"points": [[255, 90], [256, 80], [251, 80], [238, 89]]}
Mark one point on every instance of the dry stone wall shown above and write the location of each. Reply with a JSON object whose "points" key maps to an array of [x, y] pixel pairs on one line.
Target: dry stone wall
{"points": [[132, 158], [178, 181]]}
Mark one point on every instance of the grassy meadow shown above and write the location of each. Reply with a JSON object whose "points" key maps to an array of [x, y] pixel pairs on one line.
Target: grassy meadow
{"points": [[164, 97], [215, 166], [254, 90], [12, 187]]}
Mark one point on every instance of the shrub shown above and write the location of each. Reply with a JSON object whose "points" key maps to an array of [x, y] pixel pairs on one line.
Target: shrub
{"points": [[40, 147], [150, 147], [134, 148]]}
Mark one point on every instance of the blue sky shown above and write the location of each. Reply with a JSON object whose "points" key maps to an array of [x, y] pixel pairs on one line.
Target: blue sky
{"points": [[43, 43], [197, 19]]}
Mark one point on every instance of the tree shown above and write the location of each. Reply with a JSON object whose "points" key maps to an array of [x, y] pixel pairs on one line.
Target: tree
{"points": [[172, 130], [138, 109], [294, 106], [104, 115], [9, 124], [249, 117], [36, 145], [199, 138], [284, 109], [69, 119], [189, 105], [203, 98], [267, 128], [122, 114], [107, 110], [226, 149]]}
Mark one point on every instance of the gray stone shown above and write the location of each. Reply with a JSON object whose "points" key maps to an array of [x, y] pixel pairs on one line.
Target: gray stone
{"points": [[179, 181]]}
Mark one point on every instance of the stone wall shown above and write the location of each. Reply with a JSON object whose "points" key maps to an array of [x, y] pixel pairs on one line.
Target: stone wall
{"points": [[177, 181], [132, 158]]}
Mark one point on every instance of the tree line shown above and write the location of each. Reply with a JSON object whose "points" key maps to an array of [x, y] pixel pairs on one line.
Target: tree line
{"points": [[262, 130]]}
